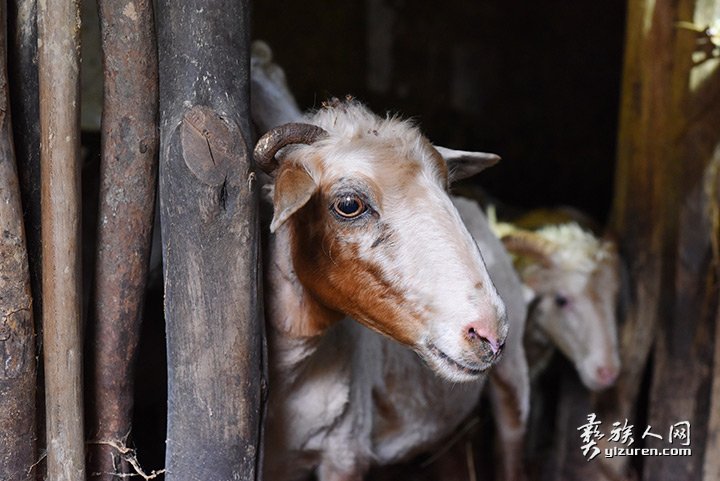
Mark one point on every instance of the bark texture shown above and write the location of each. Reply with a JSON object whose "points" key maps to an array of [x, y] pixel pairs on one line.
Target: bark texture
{"points": [[18, 373], [128, 176], [208, 200], [59, 82]]}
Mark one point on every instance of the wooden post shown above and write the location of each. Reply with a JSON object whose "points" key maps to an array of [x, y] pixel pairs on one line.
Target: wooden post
{"points": [[711, 468], [17, 334], [665, 214], [59, 68], [208, 200], [683, 369], [23, 81], [25, 108], [127, 199]]}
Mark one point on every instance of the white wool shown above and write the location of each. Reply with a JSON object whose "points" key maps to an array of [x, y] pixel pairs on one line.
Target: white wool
{"points": [[577, 249], [349, 121], [574, 248]]}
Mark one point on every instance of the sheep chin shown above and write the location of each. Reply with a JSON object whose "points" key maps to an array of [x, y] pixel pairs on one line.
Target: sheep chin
{"points": [[448, 368]]}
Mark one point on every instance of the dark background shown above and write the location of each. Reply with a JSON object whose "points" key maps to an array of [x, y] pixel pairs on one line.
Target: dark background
{"points": [[536, 82]]}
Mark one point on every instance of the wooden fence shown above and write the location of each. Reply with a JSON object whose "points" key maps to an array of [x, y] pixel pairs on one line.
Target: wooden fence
{"points": [[208, 199], [176, 98]]}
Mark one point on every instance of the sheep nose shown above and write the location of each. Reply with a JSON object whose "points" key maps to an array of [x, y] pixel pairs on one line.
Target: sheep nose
{"points": [[487, 346], [607, 375]]}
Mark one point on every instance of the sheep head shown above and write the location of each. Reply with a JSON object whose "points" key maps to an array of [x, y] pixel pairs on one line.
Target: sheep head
{"points": [[374, 235], [575, 278]]}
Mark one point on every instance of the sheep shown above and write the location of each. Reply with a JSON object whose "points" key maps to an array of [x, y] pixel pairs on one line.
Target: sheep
{"points": [[274, 104], [574, 280], [361, 220]]}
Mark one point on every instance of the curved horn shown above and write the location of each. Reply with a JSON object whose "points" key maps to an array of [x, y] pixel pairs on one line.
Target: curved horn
{"points": [[529, 244], [279, 137]]}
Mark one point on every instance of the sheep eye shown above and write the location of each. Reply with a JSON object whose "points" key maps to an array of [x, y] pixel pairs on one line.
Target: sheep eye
{"points": [[561, 301], [349, 206]]}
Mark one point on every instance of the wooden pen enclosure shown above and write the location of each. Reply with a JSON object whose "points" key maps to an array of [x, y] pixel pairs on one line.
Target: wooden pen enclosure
{"points": [[611, 107]]}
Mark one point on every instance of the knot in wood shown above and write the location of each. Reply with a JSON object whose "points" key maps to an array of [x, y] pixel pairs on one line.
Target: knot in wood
{"points": [[211, 144]]}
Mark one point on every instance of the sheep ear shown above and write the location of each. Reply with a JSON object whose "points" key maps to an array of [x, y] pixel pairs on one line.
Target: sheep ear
{"points": [[293, 188], [463, 164]]}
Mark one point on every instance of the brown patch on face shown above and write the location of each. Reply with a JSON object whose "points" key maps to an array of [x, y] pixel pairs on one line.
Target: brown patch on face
{"points": [[326, 261], [315, 318]]}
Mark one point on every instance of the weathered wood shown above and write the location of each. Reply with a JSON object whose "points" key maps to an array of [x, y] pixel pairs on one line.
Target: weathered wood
{"points": [[23, 82], [59, 68], [17, 334], [684, 343], [663, 214], [711, 468], [25, 107], [127, 198], [574, 404], [637, 219], [208, 199]]}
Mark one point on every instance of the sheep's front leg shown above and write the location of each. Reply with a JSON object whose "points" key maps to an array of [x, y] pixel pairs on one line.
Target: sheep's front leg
{"points": [[510, 397]]}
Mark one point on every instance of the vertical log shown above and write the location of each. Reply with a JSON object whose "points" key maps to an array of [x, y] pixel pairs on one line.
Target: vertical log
{"points": [[642, 157], [711, 468], [684, 343], [59, 68], [127, 199], [665, 194], [25, 108], [208, 199], [565, 460], [17, 338], [23, 81]]}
